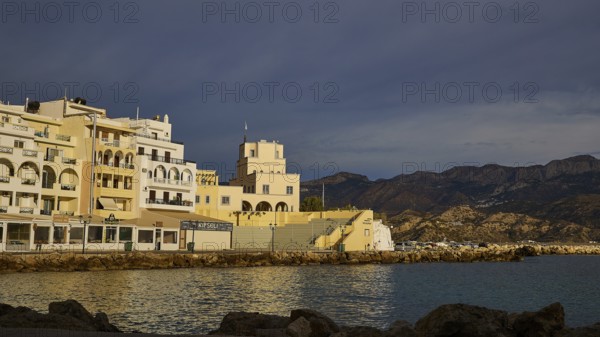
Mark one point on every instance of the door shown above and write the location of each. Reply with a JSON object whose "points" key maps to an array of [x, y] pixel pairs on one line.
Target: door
{"points": [[166, 197], [167, 156], [158, 238], [182, 239], [152, 196], [154, 154]]}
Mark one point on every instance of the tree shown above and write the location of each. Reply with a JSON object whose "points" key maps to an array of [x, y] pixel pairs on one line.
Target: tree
{"points": [[311, 204]]}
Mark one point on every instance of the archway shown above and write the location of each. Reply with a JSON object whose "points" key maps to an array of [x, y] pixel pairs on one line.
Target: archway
{"points": [[264, 206], [246, 206], [281, 207], [48, 177]]}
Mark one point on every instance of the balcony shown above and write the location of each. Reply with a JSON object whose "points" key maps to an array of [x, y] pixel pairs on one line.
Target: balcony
{"points": [[170, 202], [48, 185], [4, 179], [115, 143], [28, 181], [46, 212], [6, 149], [64, 138], [164, 159], [30, 153], [70, 161], [26, 210], [69, 213], [172, 182], [159, 139], [67, 187], [20, 127]]}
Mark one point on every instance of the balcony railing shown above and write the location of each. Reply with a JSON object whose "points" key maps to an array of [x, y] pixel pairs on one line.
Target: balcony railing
{"points": [[6, 149], [27, 181], [46, 211], [172, 181], [48, 185], [69, 213], [64, 138], [30, 153], [41, 134], [158, 138], [20, 127], [71, 161], [3, 209], [116, 143], [67, 187], [164, 159], [26, 210], [169, 202], [4, 179]]}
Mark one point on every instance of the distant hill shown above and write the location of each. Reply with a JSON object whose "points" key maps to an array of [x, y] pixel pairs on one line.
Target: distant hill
{"points": [[563, 191]]}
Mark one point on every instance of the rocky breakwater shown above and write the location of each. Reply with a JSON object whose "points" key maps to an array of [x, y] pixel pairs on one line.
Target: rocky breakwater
{"points": [[446, 321], [66, 315], [151, 260]]}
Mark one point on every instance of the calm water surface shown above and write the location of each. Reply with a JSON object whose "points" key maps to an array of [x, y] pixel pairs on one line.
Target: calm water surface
{"points": [[195, 300]]}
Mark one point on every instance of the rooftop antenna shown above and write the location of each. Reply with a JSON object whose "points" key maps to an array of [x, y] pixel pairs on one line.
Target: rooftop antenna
{"points": [[137, 115], [323, 197]]}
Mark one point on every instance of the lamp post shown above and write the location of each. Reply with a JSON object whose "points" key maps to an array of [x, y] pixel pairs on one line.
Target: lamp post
{"points": [[85, 223], [273, 228]]}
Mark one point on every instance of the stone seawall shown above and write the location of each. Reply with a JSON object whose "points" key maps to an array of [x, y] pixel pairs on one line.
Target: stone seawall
{"points": [[151, 260]]}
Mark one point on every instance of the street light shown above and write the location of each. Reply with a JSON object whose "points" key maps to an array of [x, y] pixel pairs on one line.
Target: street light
{"points": [[273, 227], [85, 223]]}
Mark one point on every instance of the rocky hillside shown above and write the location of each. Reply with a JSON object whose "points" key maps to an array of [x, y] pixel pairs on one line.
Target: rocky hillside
{"points": [[464, 223], [563, 193]]}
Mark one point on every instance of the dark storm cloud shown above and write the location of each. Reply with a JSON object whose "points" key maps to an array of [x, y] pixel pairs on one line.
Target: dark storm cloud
{"points": [[362, 78]]}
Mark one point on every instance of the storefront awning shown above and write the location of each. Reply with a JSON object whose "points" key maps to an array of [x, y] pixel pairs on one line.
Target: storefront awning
{"points": [[109, 204], [171, 219]]}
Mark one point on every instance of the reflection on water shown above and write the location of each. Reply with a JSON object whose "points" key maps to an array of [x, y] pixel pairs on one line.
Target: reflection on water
{"points": [[195, 300]]}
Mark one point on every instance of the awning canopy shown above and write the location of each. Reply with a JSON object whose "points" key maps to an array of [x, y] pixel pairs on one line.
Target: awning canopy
{"points": [[172, 219], [109, 204]]}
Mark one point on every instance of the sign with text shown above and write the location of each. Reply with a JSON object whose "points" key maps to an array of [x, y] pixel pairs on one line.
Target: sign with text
{"points": [[60, 218], [207, 226]]}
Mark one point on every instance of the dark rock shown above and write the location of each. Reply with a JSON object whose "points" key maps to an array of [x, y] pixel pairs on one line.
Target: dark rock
{"points": [[74, 309], [526, 251], [588, 331], [543, 323], [359, 331], [400, 328], [246, 323], [465, 321], [299, 328], [321, 325]]}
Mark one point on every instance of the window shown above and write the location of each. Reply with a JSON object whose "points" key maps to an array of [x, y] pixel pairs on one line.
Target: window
{"points": [[76, 235], [1, 233], [60, 235], [197, 199], [140, 150], [289, 190], [265, 189], [19, 144], [251, 153], [111, 234], [42, 235], [145, 236], [125, 233], [170, 237], [18, 232], [5, 119], [224, 200], [95, 234], [207, 200]]}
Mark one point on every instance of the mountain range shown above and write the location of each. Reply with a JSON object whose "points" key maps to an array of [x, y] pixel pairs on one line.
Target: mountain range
{"points": [[564, 192]]}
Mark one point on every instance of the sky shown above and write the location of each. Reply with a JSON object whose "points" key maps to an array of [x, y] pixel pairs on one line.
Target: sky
{"points": [[378, 88]]}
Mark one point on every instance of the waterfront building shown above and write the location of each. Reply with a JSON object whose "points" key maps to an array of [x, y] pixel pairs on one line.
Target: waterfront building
{"points": [[71, 178]]}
